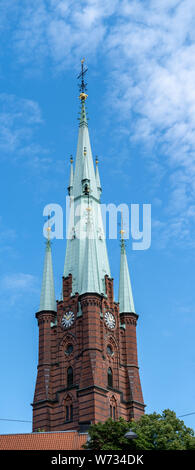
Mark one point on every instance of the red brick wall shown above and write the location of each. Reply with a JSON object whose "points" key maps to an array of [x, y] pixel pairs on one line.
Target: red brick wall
{"points": [[90, 395]]}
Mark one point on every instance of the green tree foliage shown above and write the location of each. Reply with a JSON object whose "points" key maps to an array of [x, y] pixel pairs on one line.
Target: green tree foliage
{"points": [[155, 432]]}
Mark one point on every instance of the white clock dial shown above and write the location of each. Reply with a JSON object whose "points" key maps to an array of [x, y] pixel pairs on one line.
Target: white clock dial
{"points": [[67, 319], [110, 320]]}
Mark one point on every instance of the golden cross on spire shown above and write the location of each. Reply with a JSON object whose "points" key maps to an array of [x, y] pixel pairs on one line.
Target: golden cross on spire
{"points": [[82, 84]]}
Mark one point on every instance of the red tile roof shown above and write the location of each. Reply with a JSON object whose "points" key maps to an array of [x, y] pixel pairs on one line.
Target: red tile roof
{"points": [[62, 440]]}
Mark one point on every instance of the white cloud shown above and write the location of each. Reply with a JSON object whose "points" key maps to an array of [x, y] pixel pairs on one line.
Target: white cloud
{"points": [[150, 45], [19, 282], [18, 116], [155, 52], [15, 288]]}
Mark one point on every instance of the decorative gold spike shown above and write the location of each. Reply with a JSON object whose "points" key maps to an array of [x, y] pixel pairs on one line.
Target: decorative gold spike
{"points": [[83, 96], [48, 233], [122, 231]]}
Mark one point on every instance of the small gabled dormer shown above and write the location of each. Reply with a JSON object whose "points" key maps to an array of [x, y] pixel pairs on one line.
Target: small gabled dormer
{"points": [[70, 187], [85, 178]]}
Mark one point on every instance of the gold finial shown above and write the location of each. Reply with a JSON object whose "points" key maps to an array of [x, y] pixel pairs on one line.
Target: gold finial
{"points": [[48, 233], [71, 159], [83, 60], [122, 231], [96, 160], [48, 228], [83, 96]]}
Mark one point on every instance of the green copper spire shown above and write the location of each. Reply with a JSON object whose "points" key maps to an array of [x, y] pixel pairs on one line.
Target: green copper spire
{"points": [[126, 303], [48, 301], [97, 175], [80, 248], [90, 278]]}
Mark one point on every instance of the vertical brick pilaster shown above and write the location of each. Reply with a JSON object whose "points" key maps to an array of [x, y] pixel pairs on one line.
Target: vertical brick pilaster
{"points": [[136, 405], [43, 385]]}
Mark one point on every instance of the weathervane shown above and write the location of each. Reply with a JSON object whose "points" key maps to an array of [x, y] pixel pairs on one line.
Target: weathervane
{"points": [[82, 84]]}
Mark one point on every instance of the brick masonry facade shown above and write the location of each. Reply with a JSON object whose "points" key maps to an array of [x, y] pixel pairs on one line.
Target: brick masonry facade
{"points": [[91, 349]]}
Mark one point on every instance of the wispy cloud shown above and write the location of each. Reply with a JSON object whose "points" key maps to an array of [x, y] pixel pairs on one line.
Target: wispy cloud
{"points": [[14, 286], [19, 121], [7, 239], [18, 117], [151, 46], [19, 282]]}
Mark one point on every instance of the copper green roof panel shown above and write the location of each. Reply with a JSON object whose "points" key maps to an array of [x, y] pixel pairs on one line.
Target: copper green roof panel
{"points": [[82, 255], [48, 301], [126, 303]]}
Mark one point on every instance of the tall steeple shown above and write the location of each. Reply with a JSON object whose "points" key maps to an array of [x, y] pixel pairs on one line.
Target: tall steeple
{"points": [[126, 303], [85, 192], [88, 367], [48, 301]]}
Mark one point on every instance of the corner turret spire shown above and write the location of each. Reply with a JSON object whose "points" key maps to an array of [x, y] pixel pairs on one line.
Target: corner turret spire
{"points": [[97, 175], [48, 301], [126, 303]]}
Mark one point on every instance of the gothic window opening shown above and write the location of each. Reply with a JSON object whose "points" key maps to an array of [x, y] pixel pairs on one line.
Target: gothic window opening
{"points": [[110, 377], [68, 409], [86, 189], [113, 412], [109, 350], [67, 413], [69, 377], [113, 408], [69, 349]]}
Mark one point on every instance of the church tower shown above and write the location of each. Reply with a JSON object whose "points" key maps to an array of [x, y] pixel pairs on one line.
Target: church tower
{"points": [[87, 367]]}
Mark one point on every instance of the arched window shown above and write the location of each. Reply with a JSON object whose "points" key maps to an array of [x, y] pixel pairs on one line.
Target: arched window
{"points": [[68, 408], [114, 413], [69, 412], [113, 408], [69, 377], [110, 377], [69, 349]]}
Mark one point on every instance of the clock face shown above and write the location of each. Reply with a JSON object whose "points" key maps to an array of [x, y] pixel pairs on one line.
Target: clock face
{"points": [[110, 320], [67, 319]]}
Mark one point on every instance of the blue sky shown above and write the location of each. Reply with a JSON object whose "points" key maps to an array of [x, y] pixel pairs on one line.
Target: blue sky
{"points": [[141, 105]]}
